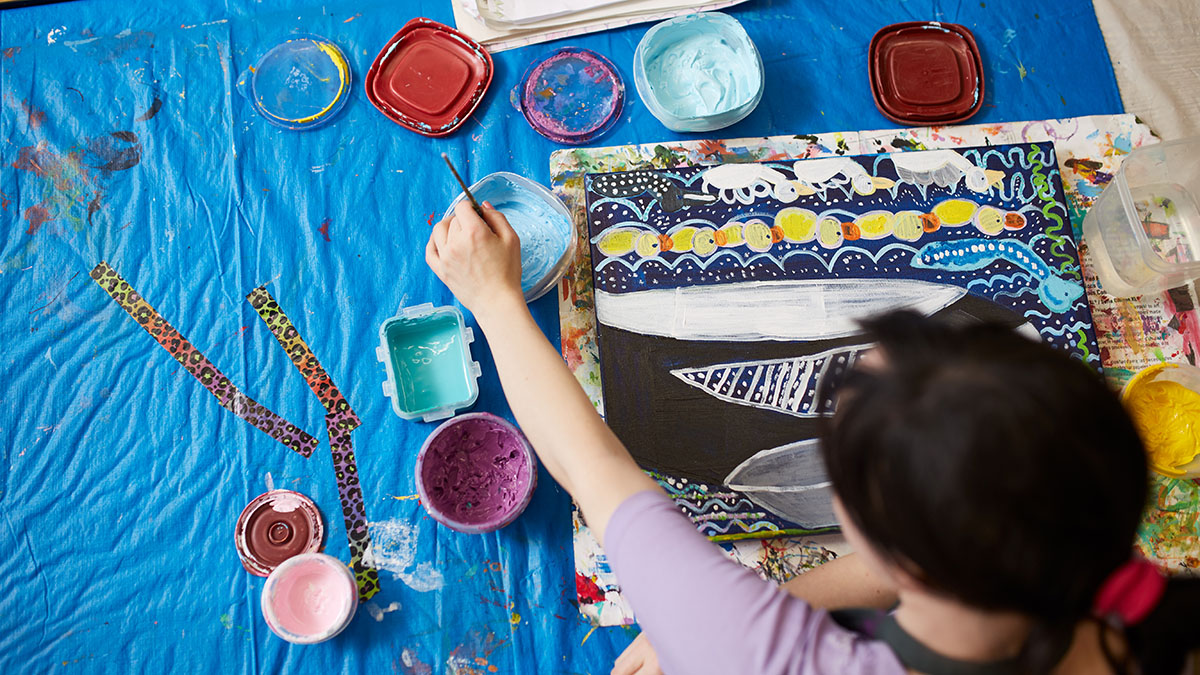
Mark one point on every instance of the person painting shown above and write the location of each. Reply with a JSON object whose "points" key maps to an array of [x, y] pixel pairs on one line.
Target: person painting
{"points": [[990, 485]]}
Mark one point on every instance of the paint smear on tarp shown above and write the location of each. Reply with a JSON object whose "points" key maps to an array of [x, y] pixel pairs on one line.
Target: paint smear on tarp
{"points": [[394, 548]]}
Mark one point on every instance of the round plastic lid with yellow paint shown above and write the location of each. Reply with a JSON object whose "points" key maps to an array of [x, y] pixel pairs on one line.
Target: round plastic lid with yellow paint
{"points": [[300, 83]]}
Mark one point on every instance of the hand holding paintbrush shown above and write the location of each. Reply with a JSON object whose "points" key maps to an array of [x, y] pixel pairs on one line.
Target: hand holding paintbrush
{"points": [[470, 197]]}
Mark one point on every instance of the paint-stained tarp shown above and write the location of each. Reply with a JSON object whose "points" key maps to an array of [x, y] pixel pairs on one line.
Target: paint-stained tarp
{"points": [[125, 140]]}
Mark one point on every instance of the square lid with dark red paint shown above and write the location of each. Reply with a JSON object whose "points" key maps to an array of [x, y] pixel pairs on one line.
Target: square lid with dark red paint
{"points": [[429, 77], [926, 73]]}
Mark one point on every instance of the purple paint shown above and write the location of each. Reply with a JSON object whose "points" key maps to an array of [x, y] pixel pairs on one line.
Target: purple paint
{"points": [[476, 473], [572, 96]]}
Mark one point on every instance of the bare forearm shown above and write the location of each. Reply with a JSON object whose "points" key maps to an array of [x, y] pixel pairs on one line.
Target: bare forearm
{"points": [[841, 584], [570, 438]]}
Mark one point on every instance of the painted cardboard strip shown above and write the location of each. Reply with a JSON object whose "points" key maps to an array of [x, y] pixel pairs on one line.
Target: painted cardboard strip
{"points": [[340, 420], [200, 367]]}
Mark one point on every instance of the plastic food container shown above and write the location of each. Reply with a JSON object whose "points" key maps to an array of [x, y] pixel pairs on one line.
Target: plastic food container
{"points": [[309, 598], [698, 72], [541, 221], [476, 473], [1164, 402], [427, 357], [1144, 229], [926, 73]]}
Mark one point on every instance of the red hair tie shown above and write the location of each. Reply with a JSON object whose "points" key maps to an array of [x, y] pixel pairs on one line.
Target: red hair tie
{"points": [[1131, 592]]}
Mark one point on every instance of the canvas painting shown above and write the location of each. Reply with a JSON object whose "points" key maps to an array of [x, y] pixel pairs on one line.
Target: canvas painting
{"points": [[725, 293]]}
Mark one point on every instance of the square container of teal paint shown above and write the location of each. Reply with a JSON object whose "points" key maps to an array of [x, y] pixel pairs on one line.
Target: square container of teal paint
{"points": [[426, 353]]}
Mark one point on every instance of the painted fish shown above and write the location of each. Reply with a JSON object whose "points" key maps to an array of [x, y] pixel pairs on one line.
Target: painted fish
{"points": [[747, 183], [961, 255], [785, 385], [670, 196], [789, 481], [818, 174], [943, 168]]}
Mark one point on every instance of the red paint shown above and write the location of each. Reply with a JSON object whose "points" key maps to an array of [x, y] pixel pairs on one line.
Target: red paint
{"points": [[587, 590], [926, 73], [324, 229], [34, 159], [37, 215], [36, 117], [10, 52], [429, 78], [431, 216]]}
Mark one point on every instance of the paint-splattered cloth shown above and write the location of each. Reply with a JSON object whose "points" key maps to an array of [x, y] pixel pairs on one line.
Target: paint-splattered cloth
{"points": [[705, 613]]}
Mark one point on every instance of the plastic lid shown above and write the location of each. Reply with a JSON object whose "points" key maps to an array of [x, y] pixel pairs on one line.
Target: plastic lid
{"points": [[429, 77], [572, 96], [299, 84], [275, 526], [926, 72]]}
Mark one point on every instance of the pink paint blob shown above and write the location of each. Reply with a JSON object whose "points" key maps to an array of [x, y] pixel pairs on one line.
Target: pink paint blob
{"points": [[476, 473], [309, 598]]}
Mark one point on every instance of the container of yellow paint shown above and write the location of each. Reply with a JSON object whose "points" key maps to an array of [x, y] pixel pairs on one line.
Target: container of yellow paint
{"points": [[1164, 402]]}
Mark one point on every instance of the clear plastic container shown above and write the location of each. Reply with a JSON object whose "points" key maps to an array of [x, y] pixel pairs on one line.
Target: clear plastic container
{"points": [[1144, 229], [1168, 422], [540, 219], [426, 353], [698, 72]]}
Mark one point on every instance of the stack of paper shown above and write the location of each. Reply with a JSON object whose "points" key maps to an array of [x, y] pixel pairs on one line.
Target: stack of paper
{"points": [[506, 24]]}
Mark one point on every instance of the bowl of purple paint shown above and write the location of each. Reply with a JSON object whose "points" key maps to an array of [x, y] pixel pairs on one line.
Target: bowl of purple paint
{"points": [[476, 473]]}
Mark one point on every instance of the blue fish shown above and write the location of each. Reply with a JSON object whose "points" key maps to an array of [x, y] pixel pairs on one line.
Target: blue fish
{"points": [[962, 255]]}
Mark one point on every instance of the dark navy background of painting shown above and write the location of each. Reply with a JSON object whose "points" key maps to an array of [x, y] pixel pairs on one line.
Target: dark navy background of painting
{"points": [[124, 478], [687, 433]]}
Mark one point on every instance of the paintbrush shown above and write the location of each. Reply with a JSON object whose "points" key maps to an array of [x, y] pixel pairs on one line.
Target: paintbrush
{"points": [[466, 191]]}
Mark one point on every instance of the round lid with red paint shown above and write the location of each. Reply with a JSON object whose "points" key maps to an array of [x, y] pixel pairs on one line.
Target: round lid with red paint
{"points": [[275, 526], [926, 73], [429, 77]]}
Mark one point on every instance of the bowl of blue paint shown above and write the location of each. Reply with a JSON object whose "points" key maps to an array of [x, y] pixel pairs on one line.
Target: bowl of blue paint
{"points": [[540, 219], [698, 72], [426, 355]]}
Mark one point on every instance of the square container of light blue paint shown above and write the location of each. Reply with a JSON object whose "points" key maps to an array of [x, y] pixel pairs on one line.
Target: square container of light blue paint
{"points": [[426, 354], [698, 72]]}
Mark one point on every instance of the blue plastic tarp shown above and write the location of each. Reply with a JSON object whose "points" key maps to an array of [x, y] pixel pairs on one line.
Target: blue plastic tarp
{"points": [[124, 478]]}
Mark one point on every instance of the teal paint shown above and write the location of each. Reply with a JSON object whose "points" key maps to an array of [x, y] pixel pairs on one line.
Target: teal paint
{"points": [[430, 367]]}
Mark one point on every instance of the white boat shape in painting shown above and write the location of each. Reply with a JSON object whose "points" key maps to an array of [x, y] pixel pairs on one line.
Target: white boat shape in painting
{"points": [[749, 311], [789, 481], [787, 385]]}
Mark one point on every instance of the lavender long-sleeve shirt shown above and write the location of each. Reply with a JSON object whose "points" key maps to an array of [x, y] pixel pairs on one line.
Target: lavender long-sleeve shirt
{"points": [[704, 613]]}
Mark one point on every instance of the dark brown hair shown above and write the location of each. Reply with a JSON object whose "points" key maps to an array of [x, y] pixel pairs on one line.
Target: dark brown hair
{"points": [[999, 470]]}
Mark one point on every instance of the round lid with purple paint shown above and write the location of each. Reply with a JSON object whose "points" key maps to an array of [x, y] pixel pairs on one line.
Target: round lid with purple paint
{"points": [[275, 526], [573, 96]]}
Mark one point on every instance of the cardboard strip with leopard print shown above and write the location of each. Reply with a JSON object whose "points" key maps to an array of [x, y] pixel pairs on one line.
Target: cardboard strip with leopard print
{"points": [[340, 420], [198, 365]]}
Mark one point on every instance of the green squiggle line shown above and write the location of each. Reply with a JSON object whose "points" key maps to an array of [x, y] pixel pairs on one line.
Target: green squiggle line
{"points": [[1081, 344], [1042, 185]]}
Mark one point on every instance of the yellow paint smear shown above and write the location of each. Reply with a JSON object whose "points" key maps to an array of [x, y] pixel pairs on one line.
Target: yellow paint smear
{"points": [[1167, 417], [339, 61]]}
